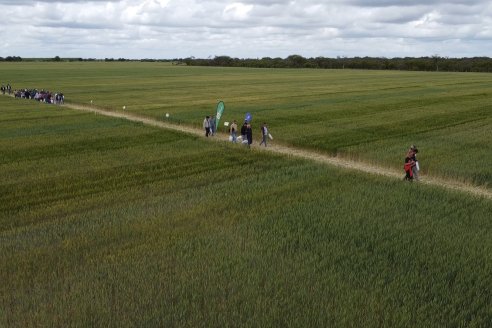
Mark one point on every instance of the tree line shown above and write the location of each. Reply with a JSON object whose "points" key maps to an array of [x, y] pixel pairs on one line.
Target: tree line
{"points": [[11, 59], [59, 59], [432, 63]]}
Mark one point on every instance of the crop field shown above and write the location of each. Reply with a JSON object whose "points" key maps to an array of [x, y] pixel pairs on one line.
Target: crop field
{"points": [[106, 222], [369, 116]]}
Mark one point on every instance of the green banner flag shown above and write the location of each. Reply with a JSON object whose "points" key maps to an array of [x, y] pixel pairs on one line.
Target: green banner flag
{"points": [[220, 110]]}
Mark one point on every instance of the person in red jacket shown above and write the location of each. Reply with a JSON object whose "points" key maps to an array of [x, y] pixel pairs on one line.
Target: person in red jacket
{"points": [[415, 168], [409, 165]]}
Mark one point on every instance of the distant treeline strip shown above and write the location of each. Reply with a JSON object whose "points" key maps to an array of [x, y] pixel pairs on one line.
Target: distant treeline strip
{"points": [[432, 63]]}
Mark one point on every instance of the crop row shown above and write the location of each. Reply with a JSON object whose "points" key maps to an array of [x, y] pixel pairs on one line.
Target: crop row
{"points": [[139, 226], [371, 116]]}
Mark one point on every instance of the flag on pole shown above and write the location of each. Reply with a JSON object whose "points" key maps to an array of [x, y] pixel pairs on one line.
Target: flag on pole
{"points": [[220, 111], [248, 117]]}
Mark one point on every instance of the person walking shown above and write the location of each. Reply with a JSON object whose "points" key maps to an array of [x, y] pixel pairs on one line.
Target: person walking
{"points": [[249, 134], [234, 131], [213, 127], [206, 125], [415, 168], [243, 131], [409, 165], [264, 134]]}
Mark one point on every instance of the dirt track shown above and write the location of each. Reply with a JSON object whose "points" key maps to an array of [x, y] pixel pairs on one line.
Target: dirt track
{"points": [[296, 152]]}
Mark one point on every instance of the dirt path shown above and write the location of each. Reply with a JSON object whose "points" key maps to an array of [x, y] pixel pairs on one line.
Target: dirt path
{"points": [[296, 152]]}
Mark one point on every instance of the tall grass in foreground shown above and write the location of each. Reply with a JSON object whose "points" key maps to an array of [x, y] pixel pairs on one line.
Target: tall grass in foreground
{"points": [[109, 223], [371, 116]]}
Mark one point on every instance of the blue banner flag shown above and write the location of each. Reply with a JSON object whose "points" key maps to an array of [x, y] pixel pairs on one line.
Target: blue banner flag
{"points": [[248, 117]]}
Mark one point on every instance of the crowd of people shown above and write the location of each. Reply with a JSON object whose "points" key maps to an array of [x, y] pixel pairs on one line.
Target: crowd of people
{"points": [[41, 95], [246, 137]]}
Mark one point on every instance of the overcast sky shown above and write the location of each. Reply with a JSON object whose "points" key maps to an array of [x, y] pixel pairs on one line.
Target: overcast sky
{"points": [[245, 29]]}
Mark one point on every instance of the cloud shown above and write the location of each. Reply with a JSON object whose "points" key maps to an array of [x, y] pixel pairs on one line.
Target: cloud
{"points": [[410, 3], [31, 2], [237, 11], [245, 28]]}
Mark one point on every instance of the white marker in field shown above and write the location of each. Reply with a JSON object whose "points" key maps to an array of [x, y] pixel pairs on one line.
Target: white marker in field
{"points": [[226, 123], [91, 102], [124, 107], [167, 115]]}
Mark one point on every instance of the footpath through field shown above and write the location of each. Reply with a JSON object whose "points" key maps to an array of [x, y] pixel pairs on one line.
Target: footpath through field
{"points": [[296, 152]]}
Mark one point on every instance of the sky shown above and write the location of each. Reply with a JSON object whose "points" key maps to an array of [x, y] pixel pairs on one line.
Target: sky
{"points": [[167, 29]]}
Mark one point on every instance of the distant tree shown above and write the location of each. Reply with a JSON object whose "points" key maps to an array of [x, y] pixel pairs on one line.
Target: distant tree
{"points": [[222, 61], [13, 59], [296, 61], [57, 59]]}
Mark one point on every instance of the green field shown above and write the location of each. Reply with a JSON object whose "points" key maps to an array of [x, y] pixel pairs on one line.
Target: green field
{"points": [[105, 222], [371, 116]]}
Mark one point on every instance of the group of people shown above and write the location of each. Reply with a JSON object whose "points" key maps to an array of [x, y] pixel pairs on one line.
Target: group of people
{"points": [[42, 96], [246, 137], [246, 134], [210, 125], [6, 89], [411, 166]]}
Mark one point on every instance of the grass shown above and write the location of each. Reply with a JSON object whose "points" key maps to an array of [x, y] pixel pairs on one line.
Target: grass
{"points": [[372, 116], [105, 222]]}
